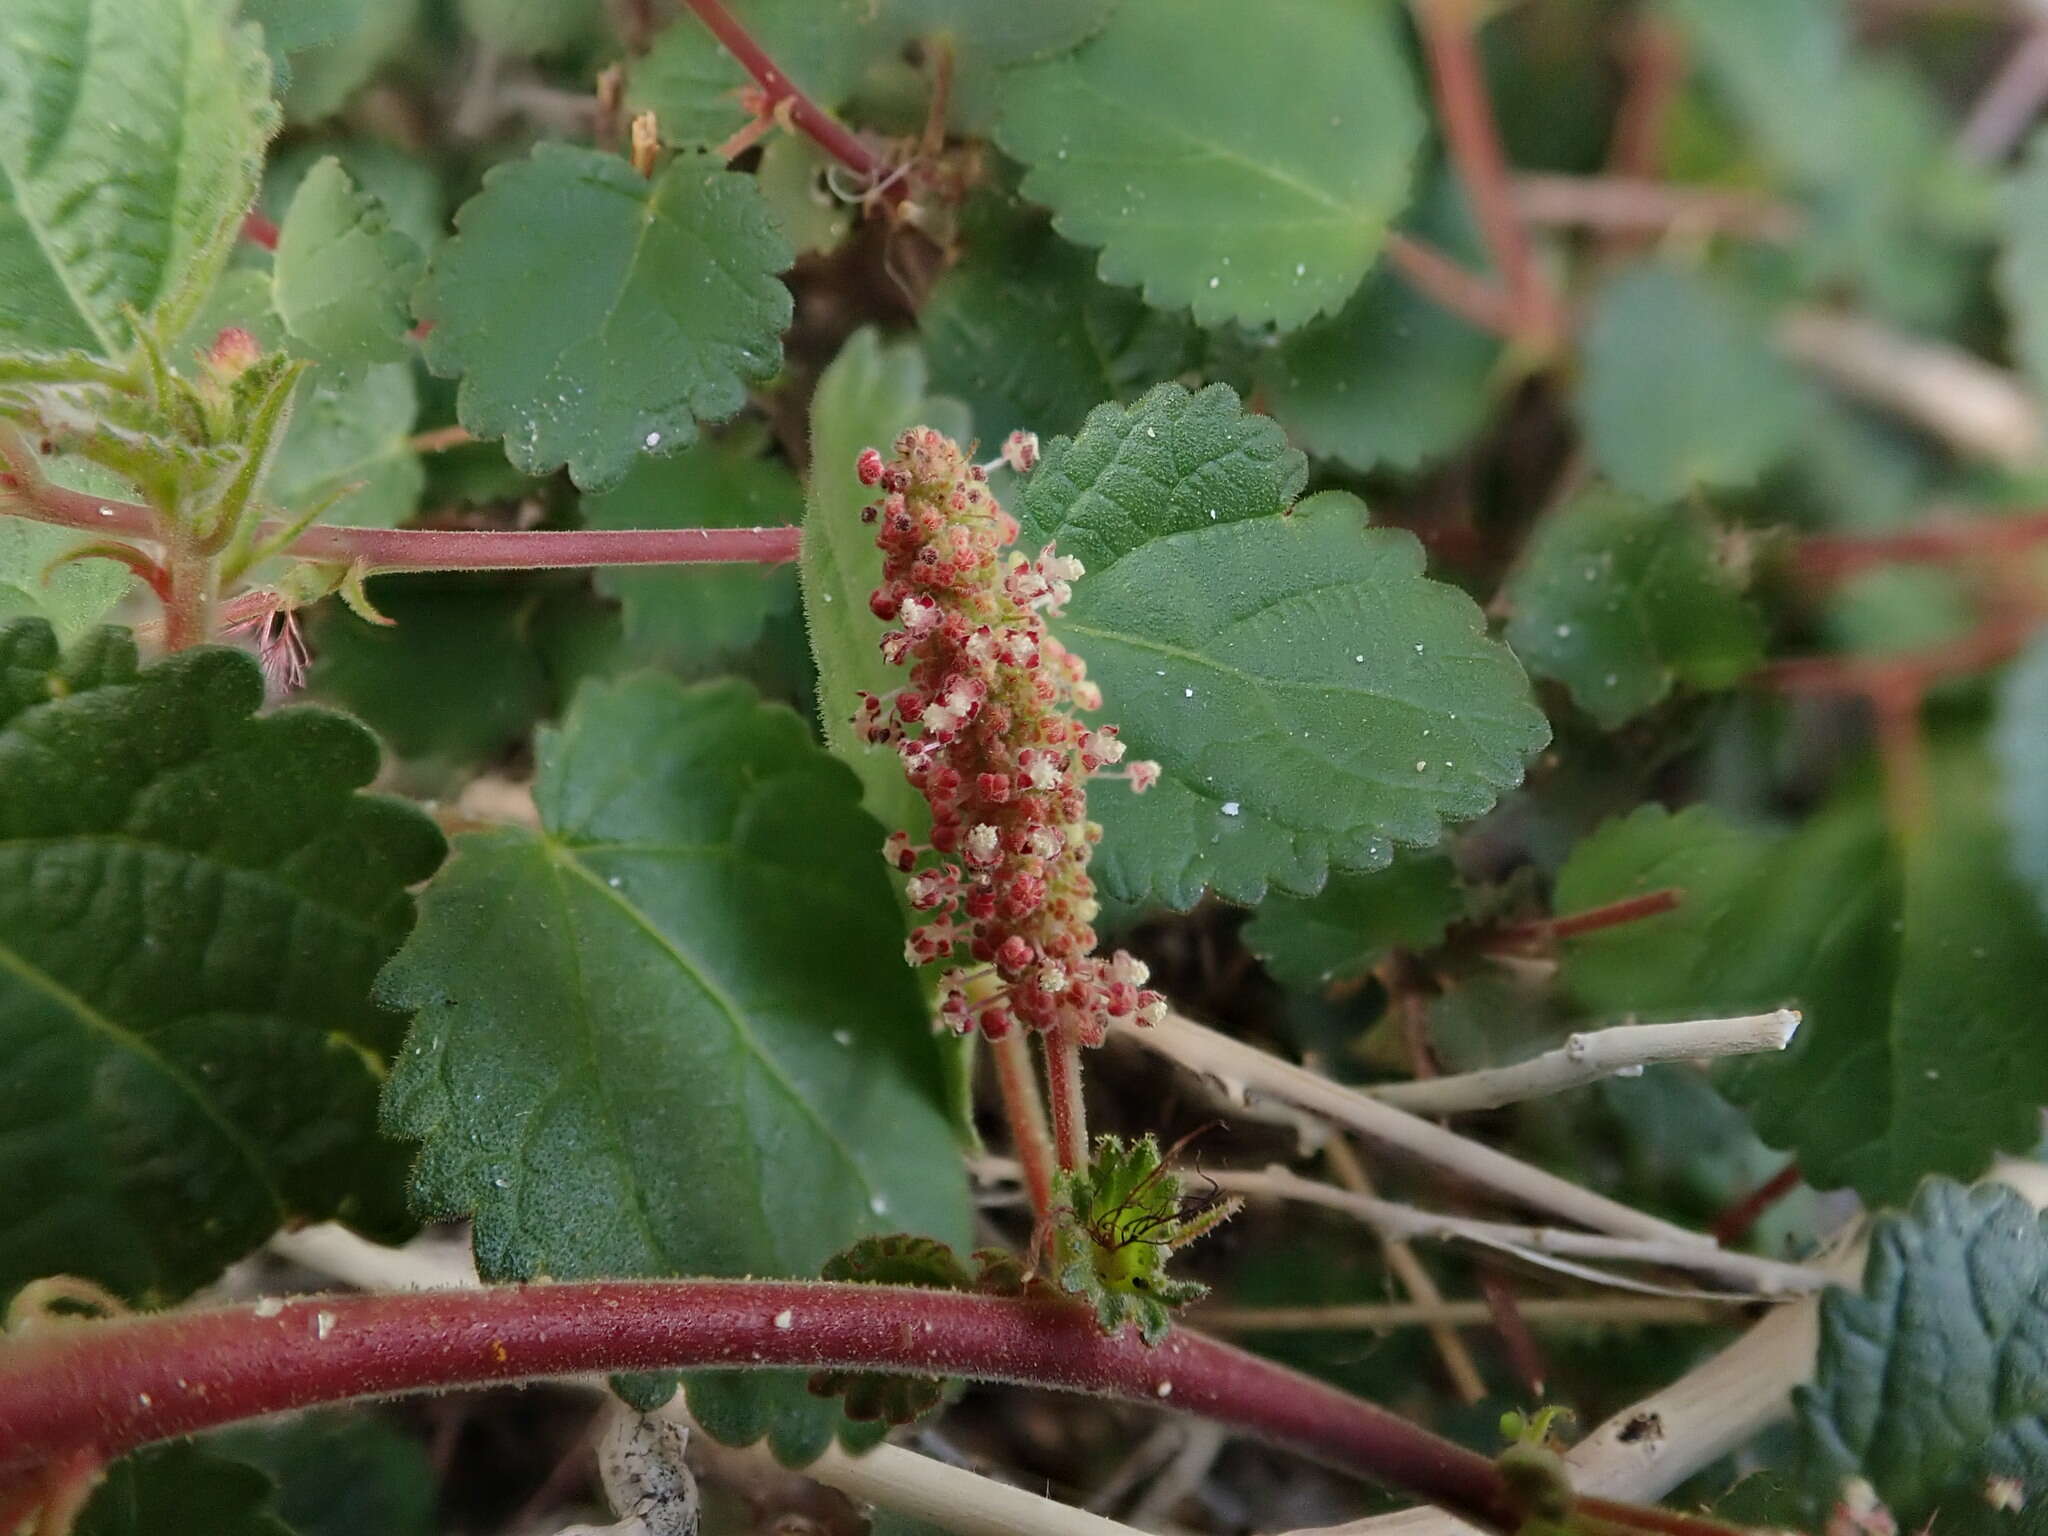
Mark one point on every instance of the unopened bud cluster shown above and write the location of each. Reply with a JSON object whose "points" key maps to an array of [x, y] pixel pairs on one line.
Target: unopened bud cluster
{"points": [[987, 734]]}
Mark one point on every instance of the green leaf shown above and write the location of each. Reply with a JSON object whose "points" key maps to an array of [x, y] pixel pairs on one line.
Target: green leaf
{"points": [[180, 1490], [1915, 970], [339, 1473], [1783, 69], [2023, 263], [692, 84], [1312, 698], [352, 436], [1935, 1378], [794, 180], [691, 616], [1024, 332], [872, 392], [1681, 388], [131, 135], [594, 314], [1252, 183], [326, 75], [2019, 742], [192, 905], [1620, 601], [1343, 931], [673, 1032], [72, 597], [344, 276], [1392, 380], [467, 666], [406, 184], [529, 27], [292, 25]]}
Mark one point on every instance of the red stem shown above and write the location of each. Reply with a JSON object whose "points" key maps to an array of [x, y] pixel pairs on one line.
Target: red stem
{"points": [[1449, 39], [1733, 1224], [111, 1386], [1437, 277], [826, 131], [1025, 1112], [1888, 677], [1630, 909], [1831, 556], [1069, 1109]]}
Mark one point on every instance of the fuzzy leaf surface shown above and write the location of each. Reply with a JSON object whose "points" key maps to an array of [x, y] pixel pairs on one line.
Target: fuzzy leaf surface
{"points": [[131, 136], [1312, 698], [1934, 1379], [595, 315], [1920, 1048], [1249, 183], [193, 903], [1620, 601], [344, 275], [672, 1032]]}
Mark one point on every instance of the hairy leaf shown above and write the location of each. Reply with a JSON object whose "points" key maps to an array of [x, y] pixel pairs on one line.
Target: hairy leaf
{"points": [[71, 597], [131, 133], [691, 616], [1251, 183], [1620, 601], [1920, 1050], [1025, 333], [1344, 930], [1934, 1379], [595, 315], [1311, 696], [1393, 379], [672, 1032], [344, 275], [181, 1490], [192, 906], [1681, 388]]}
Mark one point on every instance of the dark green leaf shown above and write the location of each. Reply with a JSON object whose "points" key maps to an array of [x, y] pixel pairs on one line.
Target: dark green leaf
{"points": [[131, 134], [180, 1490], [339, 1473], [595, 315], [1252, 183], [1934, 1379], [1619, 601], [2023, 265], [673, 1032], [2020, 743], [1393, 379], [1311, 696], [1024, 333], [1681, 388], [1915, 969], [344, 276], [326, 75], [689, 617], [192, 905], [1346, 929]]}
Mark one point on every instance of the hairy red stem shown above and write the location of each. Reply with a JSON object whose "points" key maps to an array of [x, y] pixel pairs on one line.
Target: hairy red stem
{"points": [[1614, 914], [826, 131], [1025, 1112], [1069, 1109], [110, 1386], [1449, 40]]}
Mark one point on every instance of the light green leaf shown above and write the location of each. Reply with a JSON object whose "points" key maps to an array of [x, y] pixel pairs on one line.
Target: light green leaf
{"points": [[794, 179], [872, 392], [1681, 388], [1392, 380], [1934, 1379], [673, 1033], [692, 84], [406, 184], [326, 75], [1916, 971], [2019, 742], [1024, 332], [1344, 930], [1312, 698], [344, 276], [353, 432], [690, 616], [595, 315], [181, 1490], [292, 25], [72, 597], [1783, 68], [131, 135], [192, 904], [1250, 183], [1620, 601]]}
